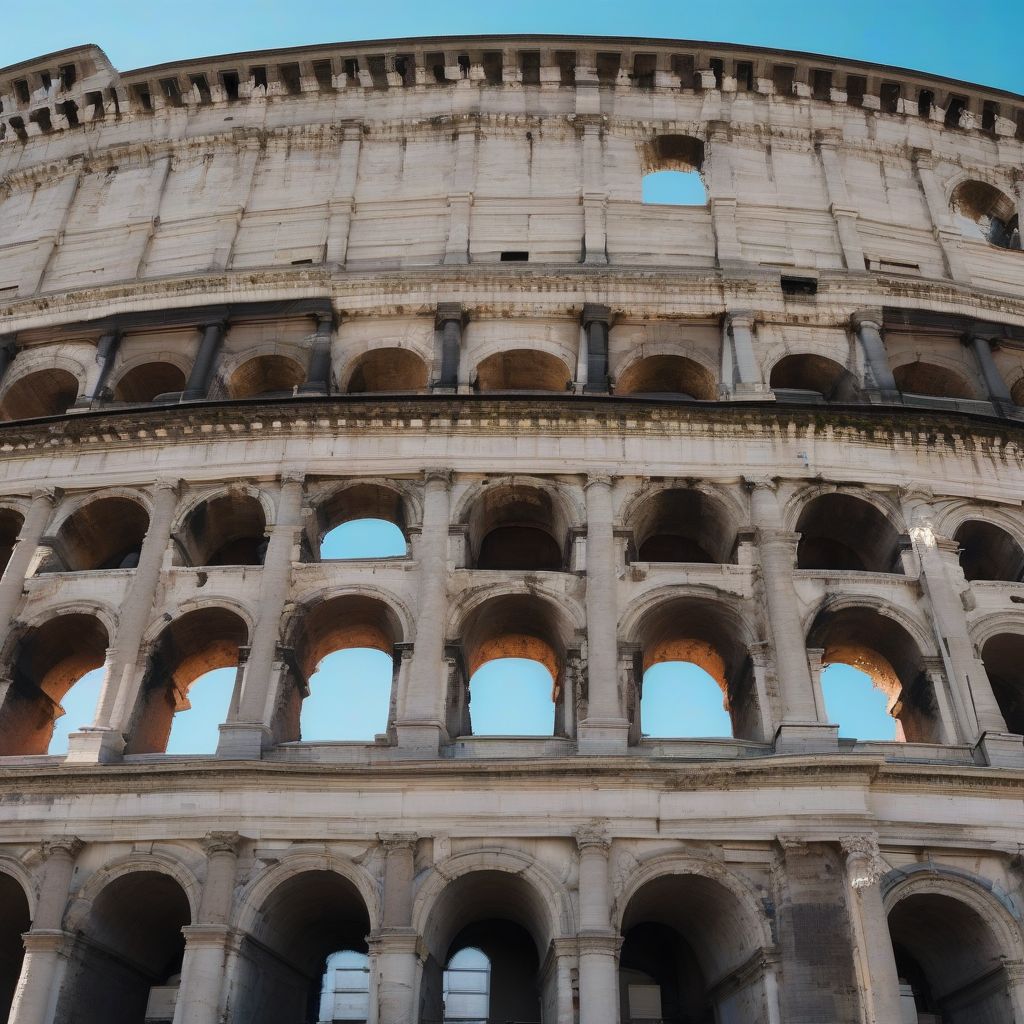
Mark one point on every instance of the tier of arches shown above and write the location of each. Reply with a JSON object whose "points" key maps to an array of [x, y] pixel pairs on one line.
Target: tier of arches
{"points": [[496, 940]]}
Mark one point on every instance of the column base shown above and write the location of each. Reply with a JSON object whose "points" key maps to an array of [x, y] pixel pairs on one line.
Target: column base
{"points": [[313, 389], [752, 393], [243, 741], [93, 745], [420, 740], [806, 738], [602, 736], [1000, 750]]}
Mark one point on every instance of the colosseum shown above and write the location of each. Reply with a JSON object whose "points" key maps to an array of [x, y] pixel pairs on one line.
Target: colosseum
{"points": [[247, 300]]}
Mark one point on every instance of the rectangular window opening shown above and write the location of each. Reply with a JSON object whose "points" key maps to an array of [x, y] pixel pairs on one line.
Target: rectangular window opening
{"points": [[464, 64], [684, 65], [717, 66], [608, 65], [644, 65], [42, 118], [229, 83], [792, 285], [259, 76], [783, 77], [566, 61], [377, 66], [351, 69], [68, 75], [171, 90], [925, 102], [529, 67], [200, 82], [744, 76], [515, 256], [955, 106], [821, 84], [290, 77], [46, 80], [21, 90], [435, 61], [989, 113], [324, 75], [493, 65], [143, 97], [95, 100], [69, 108], [1020, 124], [405, 68], [856, 86], [889, 97]]}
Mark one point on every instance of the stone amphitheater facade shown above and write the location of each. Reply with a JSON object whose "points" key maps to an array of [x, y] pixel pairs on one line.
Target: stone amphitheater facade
{"points": [[246, 298]]}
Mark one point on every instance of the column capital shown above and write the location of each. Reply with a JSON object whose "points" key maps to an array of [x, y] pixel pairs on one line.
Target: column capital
{"points": [[67, 846], [595, 313], [46, 940], [48, 494], [450, 311], [592, 836], [740, 318], [397, 840], [397, 940], [292, 476], [438, 474], [764, 483], [593, 479], [167, 483], [922, 158], [215, 935], [792, 844], [864, 862], [609, 943], [828, 138], [209, 325], [867, 318], [326, 318], [221, 842]]}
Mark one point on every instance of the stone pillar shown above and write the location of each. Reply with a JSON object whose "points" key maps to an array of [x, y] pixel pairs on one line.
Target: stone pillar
{"points": [[597, 323], [206, 356], [598, 941], [450, 320], [460, 200], [876, 359], [318, 376], [803, 727], [995, 387], [946, 233], [395, 948], [595, 194], [247, 730], [60, 197], [32, 530], [47, 944], [421, 709], [605, 729], [876, 965], [206, 941], [104, 740], [843, 211], [8, 350], [722, 195], [96, 378], [979, 719], [747, 378], [341, 204]]}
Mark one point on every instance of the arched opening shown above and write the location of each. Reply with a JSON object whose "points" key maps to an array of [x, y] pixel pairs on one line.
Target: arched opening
{"points": [[687, 952], [502, 919], [266, 377], [346, 666], [104, 534], [668, 375], [388, 369], [227, 530], [48, 661], [43, 393], [522, 369], [1003, 658], [362, 521], [988, 552], [949, 962], [145, 382], [189, 650], [125, 966], [14, 922], [879, 647], [518, 527], [674, 188], [841, 533], [307, 921], [10, 528], [345, 993], [682, 525], [688, 648], [853, 700], [812, 375], [985, 213], [920, 378], [511, 630]]}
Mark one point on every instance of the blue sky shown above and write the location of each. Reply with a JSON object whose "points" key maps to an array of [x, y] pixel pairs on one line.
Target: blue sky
{"points": [[977, 42]]}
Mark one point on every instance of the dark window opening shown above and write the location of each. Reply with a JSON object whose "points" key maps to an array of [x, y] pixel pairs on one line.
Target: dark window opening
{"points": [[290, 77], [95, 100], [989, 113], [821, 84], [889, 96], [644, 65], [608, 65], [171, 90], [259, 76], [744, 76], [46, 79], [21, 90], [955, 107], [1019, 134], [42, 118], [351, 67], [229, 82], [435, 61], [405, 68], [464, 65], [856, 86], [112, 94], [799, 285], [68, 75], [324, 75], [492, 67], [515, 256], [377, 66], [69, 108], [925, 102], [19, 128], [199, 82], [529, 67], [684, 66], [783, 77], [566, 61], [717, 67]]}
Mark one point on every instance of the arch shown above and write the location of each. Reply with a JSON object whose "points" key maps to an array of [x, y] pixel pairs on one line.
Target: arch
{"points": [[268, 375], [986, 213], [15, 920], [813, 373], [43, 392], [667, 374], [951, 942], [294, 918], [1003, 658], [673, 153], [194, 643], [988, 552], [873, 638], [128, 947], [45, 661], [933, 380], [517, 524], [841, 531], [677, 524], [386, 370], [228, 527], [356, 500], [145, 381], [102, 532], [522, 369]]}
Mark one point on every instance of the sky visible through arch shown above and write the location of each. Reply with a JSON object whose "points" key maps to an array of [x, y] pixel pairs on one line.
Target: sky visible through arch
{"points": [[350, 692]]}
